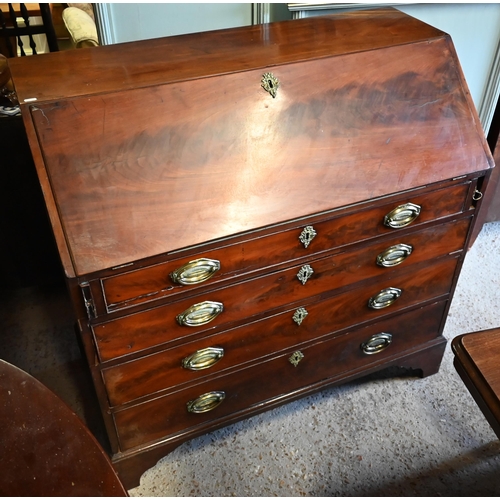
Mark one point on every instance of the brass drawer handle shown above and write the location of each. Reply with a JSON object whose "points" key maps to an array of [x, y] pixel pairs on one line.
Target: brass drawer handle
{"points": [[402, 216], [376, 343], [203, 359], [394, 255], [307, 235], [384, 298], [195, 271], [200, 314], [206, 402]]}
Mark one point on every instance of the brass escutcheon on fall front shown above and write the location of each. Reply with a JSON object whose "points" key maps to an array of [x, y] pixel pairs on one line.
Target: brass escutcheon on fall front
{"points": [[270, 83]]}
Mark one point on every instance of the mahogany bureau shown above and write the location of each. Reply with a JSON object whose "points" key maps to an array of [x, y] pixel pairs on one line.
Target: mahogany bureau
{"points": [[246, 216]]}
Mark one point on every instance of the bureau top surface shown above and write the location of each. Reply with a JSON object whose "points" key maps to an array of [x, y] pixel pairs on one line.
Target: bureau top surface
{"points": [[170, 59], [159, 154]]}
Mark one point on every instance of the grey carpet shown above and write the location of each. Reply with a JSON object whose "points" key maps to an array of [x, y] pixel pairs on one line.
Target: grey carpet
{"points": [[391, 434]]}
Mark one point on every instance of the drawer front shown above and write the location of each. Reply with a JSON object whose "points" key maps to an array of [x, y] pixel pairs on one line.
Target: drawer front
{"points": [[169, 415], [164, 370], [243, 300], [206, 268]]}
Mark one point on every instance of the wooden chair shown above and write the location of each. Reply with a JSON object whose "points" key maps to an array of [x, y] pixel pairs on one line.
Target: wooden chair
{"points": [[11, 32]]}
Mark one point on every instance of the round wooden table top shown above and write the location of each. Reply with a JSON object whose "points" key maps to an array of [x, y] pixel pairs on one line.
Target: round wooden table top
{"points": [[45, 448]]}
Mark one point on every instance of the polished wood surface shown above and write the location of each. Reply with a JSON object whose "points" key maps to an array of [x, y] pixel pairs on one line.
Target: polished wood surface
{"points": [[249, 254], [476, 359], [277, 376], [217, 164], [46, 449], [257, 160], [188, 57], [160, 160]]}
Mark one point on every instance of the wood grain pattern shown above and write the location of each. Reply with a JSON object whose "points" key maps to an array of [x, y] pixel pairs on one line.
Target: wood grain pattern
{"points": [[184, 174], [187, 57], [158, 326], [154, 153], [278, 248], [149, 421], [46, 449]]}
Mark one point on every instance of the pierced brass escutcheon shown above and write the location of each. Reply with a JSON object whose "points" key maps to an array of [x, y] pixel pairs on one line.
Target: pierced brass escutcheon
{"points": [[376, 343], [305, 272], [203, 359], [206, 402], [200, 314], [402, 216], [300, 315], [394, 255], [195, 271], [270, 83], [296, 358], [307, 235], [384, 298]]}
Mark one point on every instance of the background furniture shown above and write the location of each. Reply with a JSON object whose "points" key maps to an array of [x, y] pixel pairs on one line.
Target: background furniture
{"points": [[285, 209], [46, 449], [477, 362], [11, 30]]}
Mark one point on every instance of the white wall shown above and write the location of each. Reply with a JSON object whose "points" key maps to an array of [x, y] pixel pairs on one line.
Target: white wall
{"points": [[139, 21]]}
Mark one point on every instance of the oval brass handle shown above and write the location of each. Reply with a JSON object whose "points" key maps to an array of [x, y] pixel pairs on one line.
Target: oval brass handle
{"points": [[384, 298], [376, 343], [394, 255], [402, 216], [200, 314], [203, 359], [195, 271], [206, 402]]}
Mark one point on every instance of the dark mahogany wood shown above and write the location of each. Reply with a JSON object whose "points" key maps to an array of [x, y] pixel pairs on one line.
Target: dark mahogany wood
{"points": [[188, 57], [256, 253], [247, 388], [156, 153], [218, 165], [260, 161], [46, 449], [156, 327], [476, 361]]}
